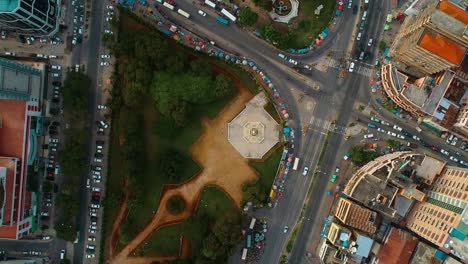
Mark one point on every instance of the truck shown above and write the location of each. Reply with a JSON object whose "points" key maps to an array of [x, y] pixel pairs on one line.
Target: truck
{"points": [[183, 13], [296, 163], [222, 20]]}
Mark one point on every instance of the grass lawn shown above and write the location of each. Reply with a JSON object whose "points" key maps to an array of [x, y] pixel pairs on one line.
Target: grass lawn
{"points": [[267, 169], [213, 202], [164, 242], [311, 25]]}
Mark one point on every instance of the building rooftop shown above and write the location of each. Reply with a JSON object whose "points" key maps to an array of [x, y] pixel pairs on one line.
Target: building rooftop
{"points": [[7, 185], [424, 254], [397, 247], [402, 205], [8, 5], [417, 95], [19, 81], [364, 246], [442, 47], [416, 7], [453, 10], [12, 131], [429, 169], [437, 91]]}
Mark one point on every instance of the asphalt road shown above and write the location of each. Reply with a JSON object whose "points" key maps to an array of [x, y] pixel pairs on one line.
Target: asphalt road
{"points": [[87, 54]]}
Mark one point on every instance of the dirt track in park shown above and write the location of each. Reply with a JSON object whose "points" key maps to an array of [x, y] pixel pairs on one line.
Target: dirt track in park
{"points": [[222, 166]]}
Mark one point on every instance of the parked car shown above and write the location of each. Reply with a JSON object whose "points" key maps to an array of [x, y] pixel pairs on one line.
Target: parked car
{"points": [[201, 13], [369, 136], [397, 128], [390, 133], [381, 130], [443, 151], [351, 67], [400, 136]]}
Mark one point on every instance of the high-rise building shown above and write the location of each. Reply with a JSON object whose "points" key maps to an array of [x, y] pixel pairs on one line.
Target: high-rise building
{"points": [[21, 91], [433, 41], [443, 218], [30, 17]]}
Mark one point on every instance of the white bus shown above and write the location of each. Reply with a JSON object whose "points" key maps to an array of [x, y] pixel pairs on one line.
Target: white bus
{"points": [[228, 15], [210, 4], [296, 164], [183, 13], [244, 254], [166, 4], [252, 223]]}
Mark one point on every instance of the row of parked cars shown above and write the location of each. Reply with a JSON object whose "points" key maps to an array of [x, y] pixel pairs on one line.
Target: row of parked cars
{"points": [[456, 157]]}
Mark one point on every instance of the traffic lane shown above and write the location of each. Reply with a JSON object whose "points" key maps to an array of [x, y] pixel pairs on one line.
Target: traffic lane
{"points": [[376, 17], [321, 183], [290, 205], [91, 59]]}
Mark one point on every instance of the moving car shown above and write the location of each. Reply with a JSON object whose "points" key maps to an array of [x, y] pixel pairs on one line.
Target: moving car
{"points": [[351, 67], [370, 42], [305, 171], [285, 229]]}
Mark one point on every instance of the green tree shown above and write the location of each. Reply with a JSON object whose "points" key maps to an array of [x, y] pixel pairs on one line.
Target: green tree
{"points": [[171, 165], [382, 45], [47, 186], [224, 236], [278, 39], [254, 192], [176, 204], [360, 156], [223, 86], [392, 143], [247, 16], [66, 232]]}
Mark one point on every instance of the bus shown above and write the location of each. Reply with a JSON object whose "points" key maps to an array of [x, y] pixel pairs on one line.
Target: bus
{"points": [[296, 164], [244, 254], [228, 15], [222, 20], [183, 13], [210, 4], [252, 223], [166, 4]]}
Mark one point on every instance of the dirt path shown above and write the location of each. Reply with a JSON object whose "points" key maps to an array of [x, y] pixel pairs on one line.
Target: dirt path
{"points": [[222, 166], [121, 215]]}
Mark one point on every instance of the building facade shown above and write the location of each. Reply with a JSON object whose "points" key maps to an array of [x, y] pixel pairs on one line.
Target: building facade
{"points": [[434, 40], [30, 17]]}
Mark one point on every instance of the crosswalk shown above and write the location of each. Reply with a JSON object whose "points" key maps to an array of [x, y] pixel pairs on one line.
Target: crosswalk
{"points": [[324, 126], [360, 68]]}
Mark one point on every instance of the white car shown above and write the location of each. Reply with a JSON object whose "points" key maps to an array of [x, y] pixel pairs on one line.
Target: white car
{"points": [[110, 7], [369, 136], [380, 130], [108, 32], [90, 255], [92, 214], [370, 42], [390, 133], [98, 168], [416, 138], [101, 107], [397, 128], [95, 206], [375, 119], [92, 231], [446, 153], [452, 158], [88, 183], [400, 136], [305, 171], [98, 160], [108, 19], [293, 61], [201, 13], [105, 56], [351, 67], [285, 230], [92, 247], [96, 189], [104, 63], [97, 181]]}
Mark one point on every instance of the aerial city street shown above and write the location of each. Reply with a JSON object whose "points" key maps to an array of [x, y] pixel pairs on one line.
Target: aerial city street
{"points": [[234, 131]]}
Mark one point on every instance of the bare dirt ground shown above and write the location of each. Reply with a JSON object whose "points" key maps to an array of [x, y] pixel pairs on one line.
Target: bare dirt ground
{"points": [[222, 166]]}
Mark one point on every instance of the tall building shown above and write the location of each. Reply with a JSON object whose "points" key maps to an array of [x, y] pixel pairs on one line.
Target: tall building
{"points": [[30, 17], [21, 91], [443, 218], [433, 41], [356, 216]]}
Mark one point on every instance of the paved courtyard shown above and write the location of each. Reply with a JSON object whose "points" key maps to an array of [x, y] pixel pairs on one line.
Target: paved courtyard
{"points": [[253, 132]]}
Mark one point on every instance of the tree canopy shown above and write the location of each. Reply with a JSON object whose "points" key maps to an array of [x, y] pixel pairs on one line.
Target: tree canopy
{"points": [[360, 156], [247, 16]]}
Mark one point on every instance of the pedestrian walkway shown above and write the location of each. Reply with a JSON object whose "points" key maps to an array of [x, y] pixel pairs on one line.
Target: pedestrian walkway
{"points": [[325, 126], [360, 68]]}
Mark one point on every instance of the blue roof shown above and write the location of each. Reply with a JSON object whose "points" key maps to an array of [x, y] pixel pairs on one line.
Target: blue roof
{"points": [[457, 234], [440, 255], [386, 51], [364, 246], [8, 5]]}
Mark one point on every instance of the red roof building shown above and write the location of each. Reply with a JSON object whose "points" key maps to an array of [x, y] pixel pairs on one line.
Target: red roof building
{"points": [[14, 140], [397, 248]]}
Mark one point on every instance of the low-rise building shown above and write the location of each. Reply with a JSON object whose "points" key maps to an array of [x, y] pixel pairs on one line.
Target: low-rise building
{"points": [[356, 216], [397, 247]]}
